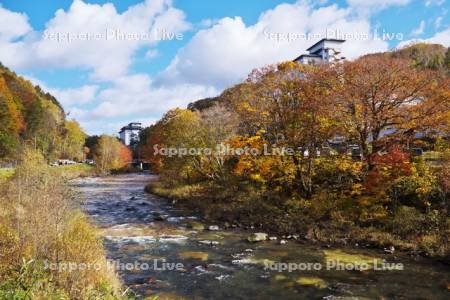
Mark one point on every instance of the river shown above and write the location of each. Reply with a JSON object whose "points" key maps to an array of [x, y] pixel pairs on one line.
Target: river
{"points": [[159, 250]]}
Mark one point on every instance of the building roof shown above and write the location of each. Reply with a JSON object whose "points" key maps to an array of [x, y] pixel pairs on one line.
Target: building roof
{"points": [[307, 55], [132, 126], [328, 40]]}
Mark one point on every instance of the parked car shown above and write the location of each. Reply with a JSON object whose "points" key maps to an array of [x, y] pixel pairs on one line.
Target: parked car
{"points": [[66, 162], [89, 161]]}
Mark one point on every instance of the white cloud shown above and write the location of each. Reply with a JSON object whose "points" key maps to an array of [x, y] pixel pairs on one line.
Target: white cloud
{"points": [[135, 95], [207, 23], [376, 3], [434, 2], [68, 97], [75, 96], [152, 53], [106, 58], [438, 22], [20, 27], [442, 37], [100, 126], [419, 30], [220, 54], [225, 53]]}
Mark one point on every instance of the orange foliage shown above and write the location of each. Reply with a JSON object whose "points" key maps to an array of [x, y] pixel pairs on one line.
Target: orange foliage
{"points": [[388, 167], [155, 138], [125, 155], [11, 115]]}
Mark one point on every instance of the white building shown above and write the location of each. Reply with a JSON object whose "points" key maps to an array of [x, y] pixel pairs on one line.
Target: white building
{"points": [[130, 134], [325, 50]]}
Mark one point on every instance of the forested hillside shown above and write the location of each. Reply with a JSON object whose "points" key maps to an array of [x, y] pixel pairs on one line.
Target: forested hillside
{"points": [[41, 222], [433, 56], [29, 115]]}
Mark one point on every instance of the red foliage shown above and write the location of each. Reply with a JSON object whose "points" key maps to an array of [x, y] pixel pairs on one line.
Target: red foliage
{"points": [[388, 167], [155, 138], [125, 155]]}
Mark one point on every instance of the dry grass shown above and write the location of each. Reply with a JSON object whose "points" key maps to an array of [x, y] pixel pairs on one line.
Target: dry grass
{"points": [[40, 224]]}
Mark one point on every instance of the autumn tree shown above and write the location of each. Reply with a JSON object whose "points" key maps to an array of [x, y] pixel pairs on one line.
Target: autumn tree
{"points": [[28, 115], [217, 126], [153, 135], [111, 154], [11, 122], [178, 129], [291, 104], [381, 100], [73, 141]]}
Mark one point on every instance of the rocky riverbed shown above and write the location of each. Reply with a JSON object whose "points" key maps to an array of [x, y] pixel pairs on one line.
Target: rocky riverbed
{"points": [[160, 250]]}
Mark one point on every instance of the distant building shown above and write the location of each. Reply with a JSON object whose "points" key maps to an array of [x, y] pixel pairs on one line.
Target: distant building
{"points": [[324, 51], [130, 134]]}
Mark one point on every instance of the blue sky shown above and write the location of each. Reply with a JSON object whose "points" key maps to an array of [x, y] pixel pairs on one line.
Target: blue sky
{"points": [[107, 82]]}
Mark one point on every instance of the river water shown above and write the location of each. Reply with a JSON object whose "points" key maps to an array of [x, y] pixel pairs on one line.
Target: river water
{"points": [[159, 250]]}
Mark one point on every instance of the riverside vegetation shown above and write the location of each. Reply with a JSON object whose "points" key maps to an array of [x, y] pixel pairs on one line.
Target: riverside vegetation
{"points": [[383, 106], [40, 222]]}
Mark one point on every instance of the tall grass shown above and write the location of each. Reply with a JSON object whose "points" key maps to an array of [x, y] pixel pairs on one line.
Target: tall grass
{"points": [[41, 225]]}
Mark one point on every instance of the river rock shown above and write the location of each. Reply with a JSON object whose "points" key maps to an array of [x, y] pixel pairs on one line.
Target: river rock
{"points": [[390, 250], [257, 237], [132, 239], [222, 277], [194, 255], [252, 261], [272, 238], [213, 228], [208, 242], [280, 277], [195, 225], [314, 281], [282, 242], [333, 256], [173, 238], [159, 217]]}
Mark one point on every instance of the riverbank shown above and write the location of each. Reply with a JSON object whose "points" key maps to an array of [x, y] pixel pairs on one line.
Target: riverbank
{"points": [[69, 171], [321, 223], [220, 263], [43, 231]]}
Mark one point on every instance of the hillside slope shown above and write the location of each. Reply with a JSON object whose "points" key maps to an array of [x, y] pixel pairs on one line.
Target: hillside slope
{"points": [[28, 115]]}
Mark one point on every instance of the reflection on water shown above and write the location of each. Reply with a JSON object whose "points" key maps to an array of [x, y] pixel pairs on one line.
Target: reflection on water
{"points": [[178, 260]]}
